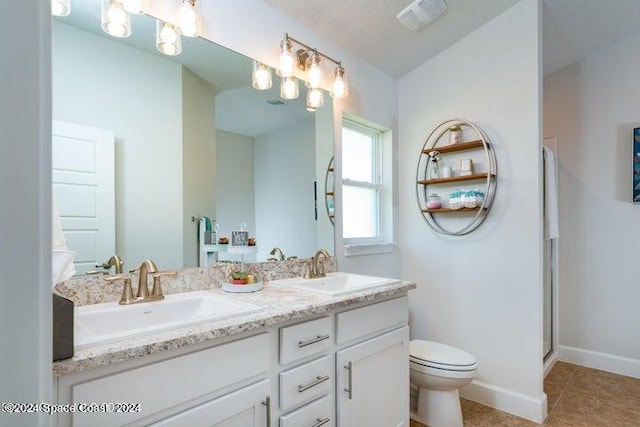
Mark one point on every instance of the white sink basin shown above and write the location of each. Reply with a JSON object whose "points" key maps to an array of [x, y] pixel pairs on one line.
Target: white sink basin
{"points": [[336, 283], [108, 322]]}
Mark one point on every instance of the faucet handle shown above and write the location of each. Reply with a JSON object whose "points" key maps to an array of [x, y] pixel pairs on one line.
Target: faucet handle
{"points": [[127, 291], [308, 268], [95, 272], [156, 293]]}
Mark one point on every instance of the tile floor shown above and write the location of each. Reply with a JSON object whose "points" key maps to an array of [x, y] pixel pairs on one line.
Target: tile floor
{"points": [[576, 397]]}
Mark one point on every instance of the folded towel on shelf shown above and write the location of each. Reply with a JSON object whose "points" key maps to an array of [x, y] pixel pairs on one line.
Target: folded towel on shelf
{"points": [[551, 229]]}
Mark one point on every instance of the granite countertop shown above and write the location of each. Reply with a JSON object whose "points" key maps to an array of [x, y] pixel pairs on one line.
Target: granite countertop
{"points": [[279, 305]]}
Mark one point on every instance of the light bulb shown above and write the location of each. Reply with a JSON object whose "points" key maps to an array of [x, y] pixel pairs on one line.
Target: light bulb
{"points": [[168, 39], [188, 19], [315, 99], [289, 88], [115, 20], [135, 6], [261, 76], [60, 7], [287, 60], [340, 87], [314, 72]]}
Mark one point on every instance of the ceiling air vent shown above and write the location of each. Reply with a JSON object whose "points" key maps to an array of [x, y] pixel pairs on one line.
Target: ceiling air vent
{"points": [[275, 102], [421, 12]]}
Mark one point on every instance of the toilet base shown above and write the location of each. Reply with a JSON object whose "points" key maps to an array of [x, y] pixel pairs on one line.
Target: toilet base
{"points": [[439, 408]]}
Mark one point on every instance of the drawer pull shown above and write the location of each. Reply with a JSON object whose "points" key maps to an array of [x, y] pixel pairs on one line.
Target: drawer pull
{"points": [[267, 402], [318, 380], [319, 338], [321, 422], [349, 389]]}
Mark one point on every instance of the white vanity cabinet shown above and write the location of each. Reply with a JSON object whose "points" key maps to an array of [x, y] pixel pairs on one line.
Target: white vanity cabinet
{"points": [[373, 381], [372, 376], [247, 407], [349, 367], [218, 385]]}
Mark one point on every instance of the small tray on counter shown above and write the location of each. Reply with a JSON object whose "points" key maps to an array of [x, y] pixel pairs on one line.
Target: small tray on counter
{"points": [[249, 287]]}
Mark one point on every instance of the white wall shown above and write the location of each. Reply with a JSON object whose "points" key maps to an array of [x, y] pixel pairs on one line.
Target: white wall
{"points": [[483, 292], [102, 83], [592, 107], [235, 174], [25, 209], [198, 159], [284, 174]]}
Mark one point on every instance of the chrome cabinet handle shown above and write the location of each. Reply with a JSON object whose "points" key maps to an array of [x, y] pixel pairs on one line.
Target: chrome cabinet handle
{"points": [[321, 422], [267, 402], [313, 340], [349, 389], [319, 380]]}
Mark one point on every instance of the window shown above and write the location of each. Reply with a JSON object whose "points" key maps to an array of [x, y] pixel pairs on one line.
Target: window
{"points": [[366, 194]]}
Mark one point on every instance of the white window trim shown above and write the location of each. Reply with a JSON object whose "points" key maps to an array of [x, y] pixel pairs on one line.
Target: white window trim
{"points": [[384, 242], [370, 249]]}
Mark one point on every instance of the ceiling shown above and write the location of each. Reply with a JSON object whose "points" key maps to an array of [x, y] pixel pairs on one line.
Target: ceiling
{"points": [[369, 28]]}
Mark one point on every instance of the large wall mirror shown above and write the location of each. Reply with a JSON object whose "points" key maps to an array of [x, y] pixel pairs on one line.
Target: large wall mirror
{"points": [[192, 138]]}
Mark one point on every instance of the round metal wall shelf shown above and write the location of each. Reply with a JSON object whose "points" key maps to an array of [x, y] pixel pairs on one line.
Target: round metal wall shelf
{"points": [[447, 220], [329, 187]]}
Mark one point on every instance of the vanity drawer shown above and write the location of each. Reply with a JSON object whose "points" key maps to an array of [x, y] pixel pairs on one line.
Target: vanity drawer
{"points": [[363, 321], [305, 339], [161, 385], [306, 382], [315, 414]]}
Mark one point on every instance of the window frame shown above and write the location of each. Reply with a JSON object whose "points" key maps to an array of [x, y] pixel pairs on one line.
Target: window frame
{"points": [[376, 183]]}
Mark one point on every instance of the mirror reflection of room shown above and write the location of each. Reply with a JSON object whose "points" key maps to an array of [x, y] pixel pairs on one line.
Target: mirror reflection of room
{"points": [[145, 142]]}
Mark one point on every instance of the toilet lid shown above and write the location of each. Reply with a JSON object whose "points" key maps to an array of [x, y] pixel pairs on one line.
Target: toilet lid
{"points": [[439, 355]]}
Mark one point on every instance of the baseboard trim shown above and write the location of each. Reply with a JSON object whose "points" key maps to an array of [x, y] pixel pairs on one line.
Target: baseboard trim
{"points": [[602, 361], [521, 405], [550, 363]]}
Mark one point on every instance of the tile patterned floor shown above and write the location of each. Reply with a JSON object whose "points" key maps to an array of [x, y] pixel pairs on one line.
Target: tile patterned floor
{"points": [[576, 397]]}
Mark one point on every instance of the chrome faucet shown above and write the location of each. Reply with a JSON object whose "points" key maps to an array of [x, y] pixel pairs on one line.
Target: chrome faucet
{"points": [[275, 251], [142, 294], [314, 265]]}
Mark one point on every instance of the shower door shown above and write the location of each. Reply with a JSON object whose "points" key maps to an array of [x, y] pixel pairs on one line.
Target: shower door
{"points": [[550, 267]]}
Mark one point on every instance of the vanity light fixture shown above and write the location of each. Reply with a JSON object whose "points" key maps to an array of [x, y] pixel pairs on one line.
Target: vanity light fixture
{"points": [[115, 19], [137, 7], [289, 88], [287, 60], [261, 76], [310, 60], [314, 71], [189, 19], [168, 40], [340, 86], [60, 7], [315, 99]]}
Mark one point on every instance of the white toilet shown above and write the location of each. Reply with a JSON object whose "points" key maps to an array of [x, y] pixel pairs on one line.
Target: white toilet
{"points": [[438, 371]]}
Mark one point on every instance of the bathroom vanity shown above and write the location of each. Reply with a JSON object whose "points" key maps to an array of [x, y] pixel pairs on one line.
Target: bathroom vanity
{"points": [[304, 359]]}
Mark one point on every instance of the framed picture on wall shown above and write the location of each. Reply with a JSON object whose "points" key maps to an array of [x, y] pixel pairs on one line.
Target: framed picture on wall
{"points": [[636, 165]]}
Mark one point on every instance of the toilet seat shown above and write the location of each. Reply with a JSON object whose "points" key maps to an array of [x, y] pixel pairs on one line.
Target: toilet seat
{"points": [[429, 354]]}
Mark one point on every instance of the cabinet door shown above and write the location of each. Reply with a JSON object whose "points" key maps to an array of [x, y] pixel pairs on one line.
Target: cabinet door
{"points": [[372, 382], [246, 407]]}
